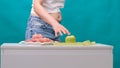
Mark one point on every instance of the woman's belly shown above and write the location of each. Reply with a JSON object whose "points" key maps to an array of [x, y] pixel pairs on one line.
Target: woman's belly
{"points": [[56, 16]]}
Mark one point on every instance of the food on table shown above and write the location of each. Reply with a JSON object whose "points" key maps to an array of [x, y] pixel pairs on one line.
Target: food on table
{"points": [[39, 38], [88, 42], [36, 36], [70, 39]]}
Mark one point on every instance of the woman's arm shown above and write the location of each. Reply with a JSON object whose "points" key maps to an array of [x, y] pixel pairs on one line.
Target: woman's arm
{"points": [[42, 13]]}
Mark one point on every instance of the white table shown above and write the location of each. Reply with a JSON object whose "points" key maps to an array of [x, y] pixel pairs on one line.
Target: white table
{"points": [[15, 55]]}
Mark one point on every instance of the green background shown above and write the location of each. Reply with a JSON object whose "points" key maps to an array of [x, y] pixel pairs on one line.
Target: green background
{"points": [[95, 20]]}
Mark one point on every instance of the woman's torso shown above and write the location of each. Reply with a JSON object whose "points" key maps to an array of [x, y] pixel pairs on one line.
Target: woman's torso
{"points": [[52, 7]]}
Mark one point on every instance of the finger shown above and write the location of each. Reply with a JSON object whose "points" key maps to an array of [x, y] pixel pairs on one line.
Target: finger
{"points": [[56, 33], [66, 31], [60, 32], [62, 29]]}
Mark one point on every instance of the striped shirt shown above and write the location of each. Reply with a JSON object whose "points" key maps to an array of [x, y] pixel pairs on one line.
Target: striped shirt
{"points": [[51, 6]]}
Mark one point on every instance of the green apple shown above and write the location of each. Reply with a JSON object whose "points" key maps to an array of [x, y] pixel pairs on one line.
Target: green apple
{"points": [[70, 39]]}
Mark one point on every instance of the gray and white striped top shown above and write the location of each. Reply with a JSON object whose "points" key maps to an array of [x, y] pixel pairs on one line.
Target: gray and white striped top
{"points": [[51, 6]]}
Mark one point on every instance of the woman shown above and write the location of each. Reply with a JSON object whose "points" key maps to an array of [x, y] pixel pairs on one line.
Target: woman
{"points": [[45, 19]]}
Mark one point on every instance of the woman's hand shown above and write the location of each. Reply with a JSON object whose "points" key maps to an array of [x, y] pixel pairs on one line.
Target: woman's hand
{"points": [[60, 29]]}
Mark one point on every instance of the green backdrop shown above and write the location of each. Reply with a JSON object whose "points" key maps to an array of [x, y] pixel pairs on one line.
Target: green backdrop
{"points": [[95, 20]]}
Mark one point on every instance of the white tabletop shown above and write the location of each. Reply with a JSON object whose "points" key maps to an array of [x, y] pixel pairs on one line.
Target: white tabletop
{"points": [[52, 47]]}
